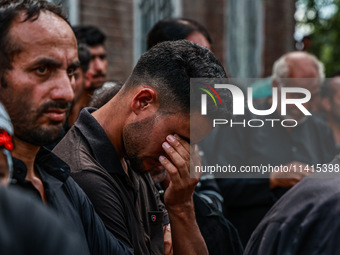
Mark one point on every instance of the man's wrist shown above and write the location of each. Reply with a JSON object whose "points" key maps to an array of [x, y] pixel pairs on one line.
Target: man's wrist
{"points": [[183, 208]]}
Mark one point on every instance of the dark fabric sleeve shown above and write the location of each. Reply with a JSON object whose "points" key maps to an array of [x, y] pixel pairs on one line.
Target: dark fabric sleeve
{"points": [[219, 234], [309, 227], [25, 222], [100, 240]]}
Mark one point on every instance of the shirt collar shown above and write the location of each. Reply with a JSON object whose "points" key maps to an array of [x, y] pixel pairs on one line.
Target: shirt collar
{"points": [[45, 161], [101, 146]]}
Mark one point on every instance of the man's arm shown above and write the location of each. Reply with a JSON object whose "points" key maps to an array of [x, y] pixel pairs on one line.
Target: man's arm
{"points": [[100, 240], [186, 236]]}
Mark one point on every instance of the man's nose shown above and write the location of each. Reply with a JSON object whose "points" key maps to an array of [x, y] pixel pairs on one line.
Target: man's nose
{"points": [[99, 64], [63, 88]]}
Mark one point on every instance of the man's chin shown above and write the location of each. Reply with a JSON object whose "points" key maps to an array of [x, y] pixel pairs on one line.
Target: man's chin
{"points": [[42, 136], [97, 84]]}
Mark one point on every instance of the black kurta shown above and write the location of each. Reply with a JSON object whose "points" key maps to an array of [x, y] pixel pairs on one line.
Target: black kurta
{"points": [[304, 221], [128, 205], [70, 203]]}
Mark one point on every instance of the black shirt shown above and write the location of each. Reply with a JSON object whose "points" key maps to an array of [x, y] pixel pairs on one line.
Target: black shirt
{"points": [[310, 226], [128, 205], [27, 227], [70, 203]]}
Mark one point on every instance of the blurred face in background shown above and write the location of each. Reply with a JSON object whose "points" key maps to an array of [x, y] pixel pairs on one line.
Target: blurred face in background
{"points": [[292, 111], [303, 73], [98, 66]]}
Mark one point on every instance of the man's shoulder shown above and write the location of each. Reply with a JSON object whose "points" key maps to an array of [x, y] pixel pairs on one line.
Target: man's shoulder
{"points": [[86, 146], [310, 194], [306, 213], [73, 149], [34, 221]]}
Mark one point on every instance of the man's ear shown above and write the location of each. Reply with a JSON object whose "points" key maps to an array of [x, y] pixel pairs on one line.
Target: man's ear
{"points": [[144, 99]]}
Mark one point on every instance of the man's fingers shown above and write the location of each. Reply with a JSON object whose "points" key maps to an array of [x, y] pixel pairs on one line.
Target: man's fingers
{"points": [[171, 169], [167, 240], [180, 161], [181, 146], [184, 143]]}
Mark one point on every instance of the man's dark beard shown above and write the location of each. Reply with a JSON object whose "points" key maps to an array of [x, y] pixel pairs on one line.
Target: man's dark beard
{"points": [[41, 136], [25, 119], [135, 136]]}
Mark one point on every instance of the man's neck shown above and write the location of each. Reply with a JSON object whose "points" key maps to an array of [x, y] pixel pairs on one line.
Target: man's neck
{"points": [[27, 153], [111, 121]]}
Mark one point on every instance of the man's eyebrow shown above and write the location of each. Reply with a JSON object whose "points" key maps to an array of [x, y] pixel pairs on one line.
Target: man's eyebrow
{"points": [[93, 56], [75, 64], [48, 62]]}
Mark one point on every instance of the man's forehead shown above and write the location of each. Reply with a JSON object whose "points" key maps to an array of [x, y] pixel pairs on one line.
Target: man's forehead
{"points": [[97, 50], [45, 23], [43, 36]]}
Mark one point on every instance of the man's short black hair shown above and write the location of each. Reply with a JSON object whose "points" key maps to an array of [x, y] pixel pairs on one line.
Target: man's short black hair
{"points": [[9, 11], [168, 67], [90, 35], [173, 30]]}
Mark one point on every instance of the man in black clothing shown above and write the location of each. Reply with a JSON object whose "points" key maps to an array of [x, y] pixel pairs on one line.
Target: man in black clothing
{"points": [[145, 127], [218, 233], [25, 222], [27, 227], [38, 52], [310, 225], [94, 38]]}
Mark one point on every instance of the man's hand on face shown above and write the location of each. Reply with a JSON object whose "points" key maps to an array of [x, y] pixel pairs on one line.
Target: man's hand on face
{"points": [[177, 163]]}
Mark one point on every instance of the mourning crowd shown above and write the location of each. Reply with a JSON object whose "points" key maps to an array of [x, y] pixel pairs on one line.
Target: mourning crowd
{"points": [[91, 166]]}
